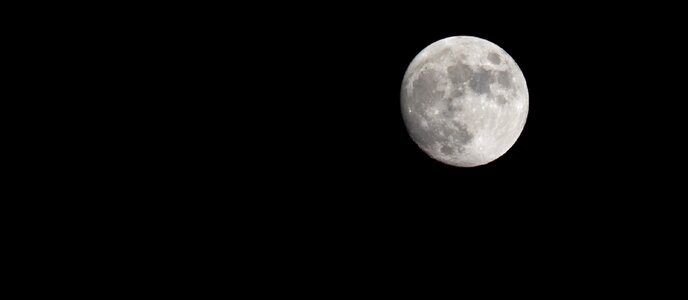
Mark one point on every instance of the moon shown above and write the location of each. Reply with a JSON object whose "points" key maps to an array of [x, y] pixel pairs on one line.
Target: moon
{"points": [[464, 101]]}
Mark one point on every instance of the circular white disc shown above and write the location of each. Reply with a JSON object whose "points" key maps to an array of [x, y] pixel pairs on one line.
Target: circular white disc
{"points": [[464, 101]]}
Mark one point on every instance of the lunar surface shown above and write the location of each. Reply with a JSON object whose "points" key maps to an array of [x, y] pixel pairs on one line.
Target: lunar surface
{"points": [[464, 101]]}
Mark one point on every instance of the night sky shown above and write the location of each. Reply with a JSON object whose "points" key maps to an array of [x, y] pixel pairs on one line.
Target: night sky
{"points": [[277, 130], [314, 104]]}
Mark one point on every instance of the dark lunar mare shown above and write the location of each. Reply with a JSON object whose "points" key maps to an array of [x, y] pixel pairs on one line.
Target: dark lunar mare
{"points": [[494, 58], [479, 80]]}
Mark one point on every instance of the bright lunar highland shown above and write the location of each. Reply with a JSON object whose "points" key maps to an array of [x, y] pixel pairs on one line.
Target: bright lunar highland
{"points": [[464, 101]]}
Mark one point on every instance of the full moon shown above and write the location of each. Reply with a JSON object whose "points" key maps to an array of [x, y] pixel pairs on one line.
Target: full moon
{"points": [[464, 101]]}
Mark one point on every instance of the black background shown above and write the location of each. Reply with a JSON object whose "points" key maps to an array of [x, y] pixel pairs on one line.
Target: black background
{"points": [[306, 105], [308, 142], [277, 131], [288, 126], [291, 115], [317, 101]]}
